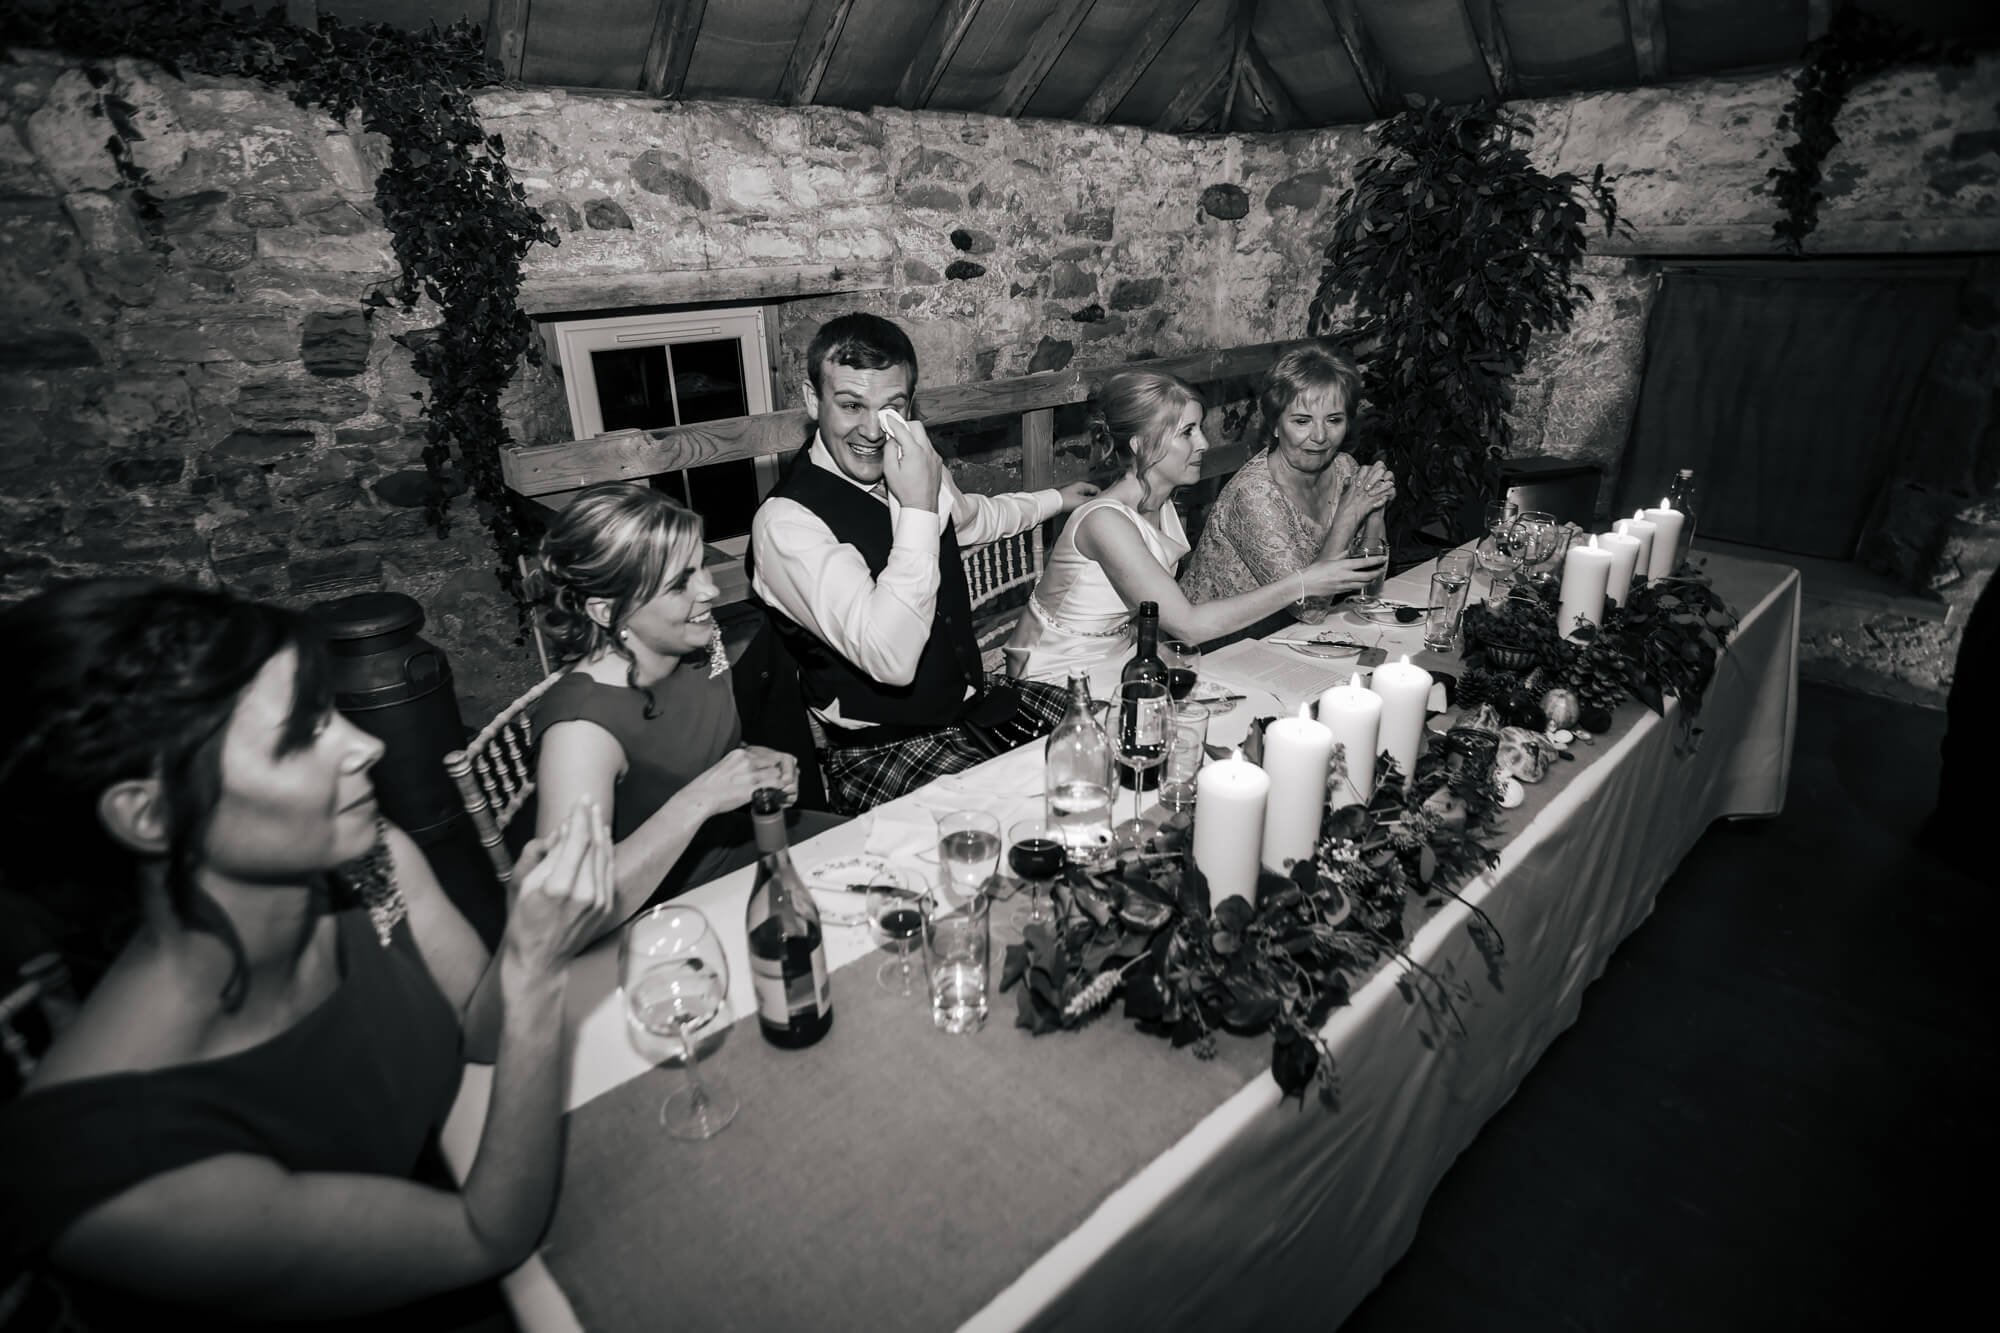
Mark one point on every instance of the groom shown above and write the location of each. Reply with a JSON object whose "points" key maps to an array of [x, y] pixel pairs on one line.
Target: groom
{"points": [[856, 554]]}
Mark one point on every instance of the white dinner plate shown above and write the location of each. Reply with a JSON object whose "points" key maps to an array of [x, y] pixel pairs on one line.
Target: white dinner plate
{"points": [[833, 883]]}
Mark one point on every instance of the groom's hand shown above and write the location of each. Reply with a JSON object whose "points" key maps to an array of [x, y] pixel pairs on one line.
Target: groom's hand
{"points": [[1076, 493], [910, 465]]}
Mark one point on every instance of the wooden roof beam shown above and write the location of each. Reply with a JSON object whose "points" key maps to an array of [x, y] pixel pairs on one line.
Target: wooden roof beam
{"points": [[1168, 15], [1049, 42], [507, 35], [1647, 22], [1493, 48], [1191, 97], [948, 28], [1246, 10], [1362, 53], [1269, 89], [676, 25], [813, 51]]}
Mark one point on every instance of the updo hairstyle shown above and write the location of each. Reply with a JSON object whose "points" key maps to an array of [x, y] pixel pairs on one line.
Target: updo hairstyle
{"points": [[1141, 406]]}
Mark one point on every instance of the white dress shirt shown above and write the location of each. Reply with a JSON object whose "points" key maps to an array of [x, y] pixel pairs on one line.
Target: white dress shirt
{"points": [[823, 584]]}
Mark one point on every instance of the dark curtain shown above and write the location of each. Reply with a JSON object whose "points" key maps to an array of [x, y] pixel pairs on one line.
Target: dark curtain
{"points": [[1786, 388]]}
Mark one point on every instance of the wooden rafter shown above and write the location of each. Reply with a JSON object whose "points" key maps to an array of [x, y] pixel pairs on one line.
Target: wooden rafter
{"points": [[1047, 47], [813, 51], [1239, 38], [1819, 17], [1269, 88], [1361, 52], [507, 35], [1493, 48], [1647, 21], [948, 28], [1191, 97], [1168, 15], [676, 25]]}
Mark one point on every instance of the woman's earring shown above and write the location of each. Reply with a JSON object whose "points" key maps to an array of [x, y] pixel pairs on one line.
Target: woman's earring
{"points": [[718, 656], [624, 636]]}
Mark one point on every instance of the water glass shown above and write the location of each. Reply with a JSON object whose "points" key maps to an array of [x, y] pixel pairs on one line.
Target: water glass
{"points": [[969, 850], [1187, 746], [1448, 593], [674, 976], [958, 945]]}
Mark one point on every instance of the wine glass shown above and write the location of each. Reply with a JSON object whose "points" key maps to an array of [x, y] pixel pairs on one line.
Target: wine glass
{"points": [[1145, 715], [1183, 663], [1035, 854], [675, 976], [1537, 538], [1369, 597], [1499, 551], [896, 920], [969, 850]]}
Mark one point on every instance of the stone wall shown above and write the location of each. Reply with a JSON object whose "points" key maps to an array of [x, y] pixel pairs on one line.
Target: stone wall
{"points": [[214, 402]]}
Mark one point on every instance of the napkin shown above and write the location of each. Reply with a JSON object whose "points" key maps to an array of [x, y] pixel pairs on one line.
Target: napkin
{"points": [[903, 834]]}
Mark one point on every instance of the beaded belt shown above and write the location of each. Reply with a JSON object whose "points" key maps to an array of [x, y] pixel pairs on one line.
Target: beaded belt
{"points": [[1042, 614]]}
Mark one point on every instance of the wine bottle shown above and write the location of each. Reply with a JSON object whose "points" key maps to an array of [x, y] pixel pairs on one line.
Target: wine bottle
{"points": [[1145, 666], [787, 948], [1077, 773], [1684, 495]]}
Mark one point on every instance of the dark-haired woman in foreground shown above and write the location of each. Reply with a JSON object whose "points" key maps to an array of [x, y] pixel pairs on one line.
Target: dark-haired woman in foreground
{"points": [[232, 1127]]}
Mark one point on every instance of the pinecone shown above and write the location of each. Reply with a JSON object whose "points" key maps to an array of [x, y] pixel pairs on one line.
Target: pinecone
{"points": [[1596, 673]]}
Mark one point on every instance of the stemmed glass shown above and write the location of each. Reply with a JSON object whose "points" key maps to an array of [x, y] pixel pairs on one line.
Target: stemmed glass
{"points": [[675, 976], [969, 850], [1183, 663], [896, 920], [1538, 539], [1369, 598], [1499, 551], [1035, 854], [1145, 716]]}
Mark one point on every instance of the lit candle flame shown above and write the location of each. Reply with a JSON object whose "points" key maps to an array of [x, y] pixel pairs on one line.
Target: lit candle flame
{"points": [[1356, 681], [1306, 710], [1666, 502]]}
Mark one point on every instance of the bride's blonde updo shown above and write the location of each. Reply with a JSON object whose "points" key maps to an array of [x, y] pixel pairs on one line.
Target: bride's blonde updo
{"points": [[619, 541], [1132, 418]]}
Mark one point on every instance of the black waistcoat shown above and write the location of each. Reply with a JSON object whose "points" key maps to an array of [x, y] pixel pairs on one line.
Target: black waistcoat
{"points": [[935, 697]]}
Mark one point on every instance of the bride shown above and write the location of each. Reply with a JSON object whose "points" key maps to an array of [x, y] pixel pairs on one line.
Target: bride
{"points": [[1124, 547]]}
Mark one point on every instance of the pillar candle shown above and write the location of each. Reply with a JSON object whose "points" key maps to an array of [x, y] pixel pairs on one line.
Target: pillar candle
{"points": [[1353, 714], [1296, 753], [1229, 798], [1405, 691], [1667, 521], [1585, 570], [1625, 551], [1637, 526]]}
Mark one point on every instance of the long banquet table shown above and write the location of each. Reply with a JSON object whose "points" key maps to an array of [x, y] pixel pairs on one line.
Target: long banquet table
{"points": [[892, 1176]]}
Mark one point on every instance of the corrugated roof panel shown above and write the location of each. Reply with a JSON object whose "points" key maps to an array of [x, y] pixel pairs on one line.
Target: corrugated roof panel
{"points": [[744, 47], [1427, 47], [587, 43], [1103, 41], [997, 41], [1565, 45], [1303, 49], [875, 48], [1197, 51]]}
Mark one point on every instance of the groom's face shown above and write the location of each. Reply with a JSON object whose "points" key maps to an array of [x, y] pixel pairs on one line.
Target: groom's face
{"points": [[845, 406]]}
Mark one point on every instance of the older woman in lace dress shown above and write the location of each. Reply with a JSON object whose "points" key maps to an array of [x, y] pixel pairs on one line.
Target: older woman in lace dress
{"points": [[1301, 501]]}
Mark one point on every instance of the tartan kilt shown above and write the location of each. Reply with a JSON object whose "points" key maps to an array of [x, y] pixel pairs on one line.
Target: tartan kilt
{"points": [[861, 776]]}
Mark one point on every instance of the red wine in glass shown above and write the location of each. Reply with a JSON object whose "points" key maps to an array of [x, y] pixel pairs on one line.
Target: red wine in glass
{"points": [[897, 925], [1036, 858], [1180, 680]]}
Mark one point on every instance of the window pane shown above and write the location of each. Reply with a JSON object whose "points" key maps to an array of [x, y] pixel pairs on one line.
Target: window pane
{"points": [[708, 377], [632, 389], [725, 494]]}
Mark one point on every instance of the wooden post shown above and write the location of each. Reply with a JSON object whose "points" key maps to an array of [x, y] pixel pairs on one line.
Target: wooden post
{"points": [[1038, 449]]}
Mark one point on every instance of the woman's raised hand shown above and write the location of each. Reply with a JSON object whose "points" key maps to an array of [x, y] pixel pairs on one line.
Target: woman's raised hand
{"points": [[1329, 578], [566, 890], [735, 778], [1372, 489]]}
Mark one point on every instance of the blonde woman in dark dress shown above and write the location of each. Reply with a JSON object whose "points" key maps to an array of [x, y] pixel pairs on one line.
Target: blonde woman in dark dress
{"points": [[645, 721], [234, 1129]]}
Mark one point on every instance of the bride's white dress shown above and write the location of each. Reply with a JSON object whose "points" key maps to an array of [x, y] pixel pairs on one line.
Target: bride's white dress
{"points": [[1075, 617]]}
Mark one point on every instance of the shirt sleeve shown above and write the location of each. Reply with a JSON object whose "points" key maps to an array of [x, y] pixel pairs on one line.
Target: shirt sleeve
{"points": [[988, 518], [822, 583]]}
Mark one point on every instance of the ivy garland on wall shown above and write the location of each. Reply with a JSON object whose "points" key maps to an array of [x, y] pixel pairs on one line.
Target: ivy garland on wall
{"points": [[1856, 46], [459, 222]]}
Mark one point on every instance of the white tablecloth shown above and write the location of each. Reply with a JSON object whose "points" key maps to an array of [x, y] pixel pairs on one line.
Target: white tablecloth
{"points": [[1265, 1202]]}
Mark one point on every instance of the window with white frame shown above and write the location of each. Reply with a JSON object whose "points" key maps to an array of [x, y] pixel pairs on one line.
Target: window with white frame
{"points": [[646, 371]]}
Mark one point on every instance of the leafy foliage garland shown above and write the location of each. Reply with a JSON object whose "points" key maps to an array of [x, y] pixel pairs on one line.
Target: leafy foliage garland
{"points": [[459, 222], [1855, 46], [1189, 968], [1454, 250]]}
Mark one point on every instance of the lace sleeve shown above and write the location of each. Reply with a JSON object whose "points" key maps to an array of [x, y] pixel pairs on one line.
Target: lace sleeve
{"points": [[1253, 522]]}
